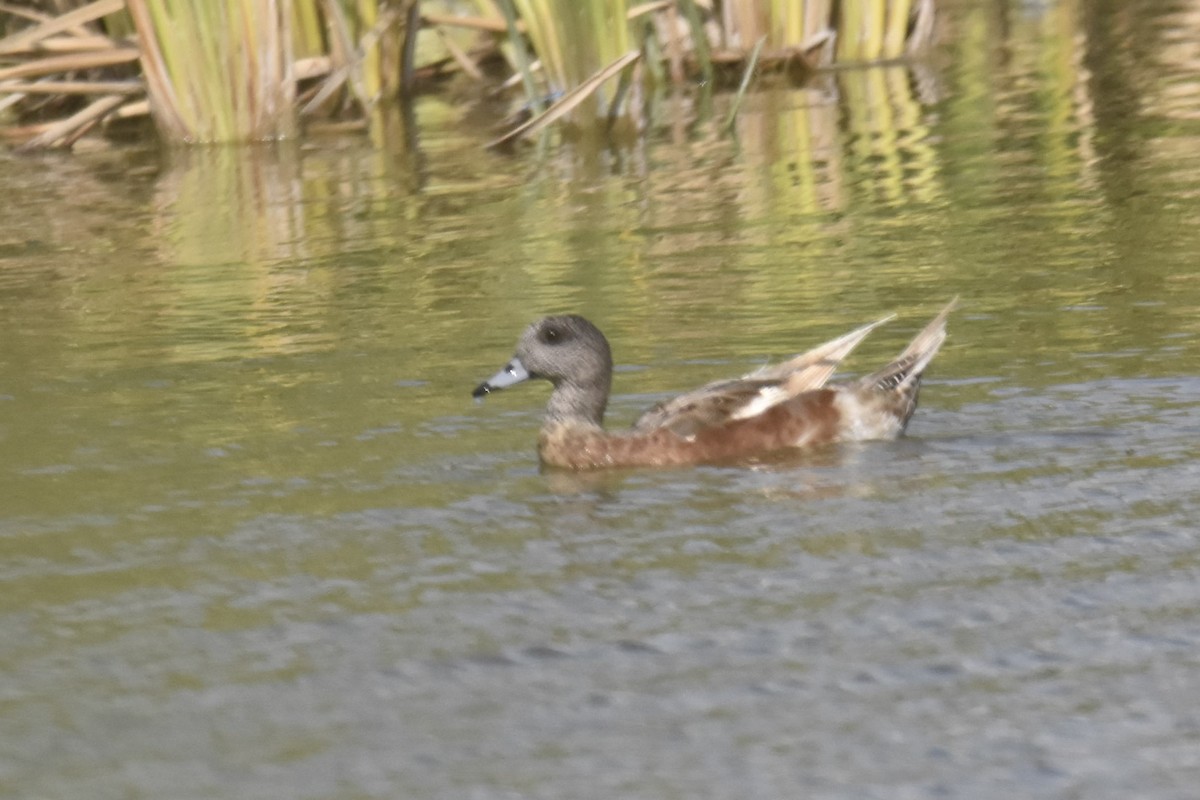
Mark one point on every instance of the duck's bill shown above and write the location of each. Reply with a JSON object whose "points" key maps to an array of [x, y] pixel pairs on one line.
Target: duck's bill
{"points": [[514, 372]]}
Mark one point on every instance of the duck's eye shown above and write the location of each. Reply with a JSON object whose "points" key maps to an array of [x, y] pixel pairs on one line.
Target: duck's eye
{"points": [[552, 335]]}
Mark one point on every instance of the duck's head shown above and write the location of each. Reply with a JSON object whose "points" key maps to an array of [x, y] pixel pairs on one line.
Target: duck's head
{"points": [[572, 354]]}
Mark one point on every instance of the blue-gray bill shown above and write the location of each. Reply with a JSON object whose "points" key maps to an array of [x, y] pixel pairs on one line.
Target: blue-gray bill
{"points": [[514, 372]]}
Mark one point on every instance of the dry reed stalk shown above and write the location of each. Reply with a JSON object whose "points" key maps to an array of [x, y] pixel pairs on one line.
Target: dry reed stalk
{"points": [[72, 87], [486, 24], [65, 44], [70, 63], [569, 101], [27, 38], [66, 132]]}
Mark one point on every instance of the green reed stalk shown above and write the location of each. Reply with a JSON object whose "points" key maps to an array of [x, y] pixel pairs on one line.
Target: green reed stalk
{"points": [[218, 71], [896, 32], [849, 27], [747, 74], [699, 40], [786, 25], [370, 77], [789, 25], [307, 37], [520, 56], [873, 22], [861, 29], [574, 40]]}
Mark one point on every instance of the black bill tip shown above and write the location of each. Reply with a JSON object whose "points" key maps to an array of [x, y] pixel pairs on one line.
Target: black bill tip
{"points": [[481, 390]]}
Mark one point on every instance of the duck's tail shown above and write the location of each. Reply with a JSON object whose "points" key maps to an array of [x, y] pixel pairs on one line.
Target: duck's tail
{"points": [[886, 399], [904, 373]]}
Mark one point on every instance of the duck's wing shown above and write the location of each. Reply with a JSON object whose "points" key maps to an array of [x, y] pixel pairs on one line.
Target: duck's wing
{"points": [[710, 405], [811, 370], [741, 398]]}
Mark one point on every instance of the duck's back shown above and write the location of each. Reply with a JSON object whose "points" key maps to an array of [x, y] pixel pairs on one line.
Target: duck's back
{"points": [[723, 402]]}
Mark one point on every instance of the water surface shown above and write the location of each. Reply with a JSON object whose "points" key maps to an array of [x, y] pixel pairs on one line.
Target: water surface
{"points": [[258, 541]]}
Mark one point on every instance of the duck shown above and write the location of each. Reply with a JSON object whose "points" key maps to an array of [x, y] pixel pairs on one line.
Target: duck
{"points": [[787, 406]]}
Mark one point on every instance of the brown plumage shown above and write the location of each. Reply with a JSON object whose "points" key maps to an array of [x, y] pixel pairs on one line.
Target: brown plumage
{"points": [[776, 408]]}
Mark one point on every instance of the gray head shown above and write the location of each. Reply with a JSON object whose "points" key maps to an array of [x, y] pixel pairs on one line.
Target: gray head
{"points": [[572, 354]]}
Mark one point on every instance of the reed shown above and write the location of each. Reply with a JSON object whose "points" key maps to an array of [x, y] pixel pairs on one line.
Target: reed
{"points": [[731, 120], [575, 40], [787, 28], [874, 30], [218, 71], [250, 70]]}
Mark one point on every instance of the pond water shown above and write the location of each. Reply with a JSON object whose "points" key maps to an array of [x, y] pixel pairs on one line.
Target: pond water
{"points": [[256, 540]]}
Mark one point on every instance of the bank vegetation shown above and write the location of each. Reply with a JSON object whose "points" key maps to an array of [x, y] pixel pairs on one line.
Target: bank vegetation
{"points": [[253, 70]]}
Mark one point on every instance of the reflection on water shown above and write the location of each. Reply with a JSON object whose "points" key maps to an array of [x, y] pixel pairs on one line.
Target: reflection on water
{"points": [[257, 540]]}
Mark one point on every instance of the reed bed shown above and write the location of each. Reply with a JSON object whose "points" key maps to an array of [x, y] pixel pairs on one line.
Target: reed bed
{"points": [[254, 70]]}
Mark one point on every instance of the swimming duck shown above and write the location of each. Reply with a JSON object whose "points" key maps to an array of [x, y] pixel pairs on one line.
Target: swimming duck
{"points": [[774, 408]]}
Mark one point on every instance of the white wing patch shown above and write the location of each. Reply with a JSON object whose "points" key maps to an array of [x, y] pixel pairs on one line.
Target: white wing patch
{"points": [[765, 398]]}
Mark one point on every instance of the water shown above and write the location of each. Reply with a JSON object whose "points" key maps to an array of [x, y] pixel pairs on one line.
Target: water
{"points": [[259, 542]]}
